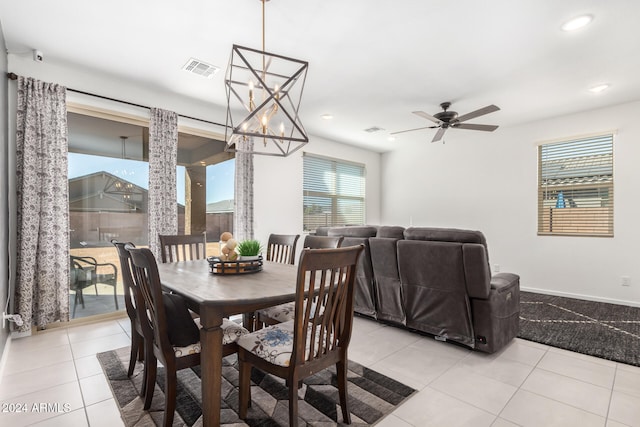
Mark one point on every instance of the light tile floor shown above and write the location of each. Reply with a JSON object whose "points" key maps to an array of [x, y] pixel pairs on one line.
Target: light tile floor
{"points": [[525, 384]]}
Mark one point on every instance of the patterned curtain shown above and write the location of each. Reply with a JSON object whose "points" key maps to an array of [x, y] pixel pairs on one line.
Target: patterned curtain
{"points": [[42, 261], [243, 194], [163, 158]]}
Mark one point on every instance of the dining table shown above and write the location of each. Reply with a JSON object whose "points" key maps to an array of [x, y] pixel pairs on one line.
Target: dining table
{"points": [[216, 296]]}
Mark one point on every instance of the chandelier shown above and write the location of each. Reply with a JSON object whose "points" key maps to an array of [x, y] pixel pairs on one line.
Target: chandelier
{"points": [[264, 91]]}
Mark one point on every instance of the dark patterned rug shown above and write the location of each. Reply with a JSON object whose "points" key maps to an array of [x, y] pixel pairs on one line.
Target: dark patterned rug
{"points": [[608, 331], [371, 396]]}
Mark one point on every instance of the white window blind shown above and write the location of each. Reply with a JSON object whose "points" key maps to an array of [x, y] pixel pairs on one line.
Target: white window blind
{"points": [[575, 187], [333, 192]]}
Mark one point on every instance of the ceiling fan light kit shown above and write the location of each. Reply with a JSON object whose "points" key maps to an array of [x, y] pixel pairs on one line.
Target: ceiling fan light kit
{"points": [[446, 119]]}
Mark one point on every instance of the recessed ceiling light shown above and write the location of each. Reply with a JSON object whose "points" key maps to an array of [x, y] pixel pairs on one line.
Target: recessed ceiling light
{"points": [[577, 23], [391, 138], [599, 88], [327, 116]]}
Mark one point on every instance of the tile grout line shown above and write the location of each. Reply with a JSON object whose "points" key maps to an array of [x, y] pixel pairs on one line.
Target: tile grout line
{"points": [[75, 366], [546, 351]]}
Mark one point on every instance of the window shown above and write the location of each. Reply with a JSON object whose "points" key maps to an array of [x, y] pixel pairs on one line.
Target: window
{"points": [[333, 192], [575, 187]]}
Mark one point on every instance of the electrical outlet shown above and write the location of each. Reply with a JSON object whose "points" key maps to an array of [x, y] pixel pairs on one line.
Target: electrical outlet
{"points": [[496, 268], [625, 281]]}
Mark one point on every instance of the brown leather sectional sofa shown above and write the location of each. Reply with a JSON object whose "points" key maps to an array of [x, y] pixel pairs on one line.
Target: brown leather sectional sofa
{"points": [[434, 280]]}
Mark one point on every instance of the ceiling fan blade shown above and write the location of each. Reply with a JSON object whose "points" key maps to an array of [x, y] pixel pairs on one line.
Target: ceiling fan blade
{"points": [[439, 135], [481, 112], [486, 128], [409, 130], [426, 116]]}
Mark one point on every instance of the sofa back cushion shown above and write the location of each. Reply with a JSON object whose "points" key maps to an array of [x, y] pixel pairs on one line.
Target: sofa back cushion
{"points": [[354, 231], [322, 231], [445, 235], [434, 293], [391, 231]]}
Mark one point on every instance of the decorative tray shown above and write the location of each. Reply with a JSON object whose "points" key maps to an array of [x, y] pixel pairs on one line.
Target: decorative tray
{"points": [[239, 266]]}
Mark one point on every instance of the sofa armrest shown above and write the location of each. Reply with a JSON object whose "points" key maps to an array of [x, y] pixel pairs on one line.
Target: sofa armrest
{"points": [[502, 282]]}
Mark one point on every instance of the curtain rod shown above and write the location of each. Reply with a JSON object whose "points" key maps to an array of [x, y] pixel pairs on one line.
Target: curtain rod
{"points": [[14, 76]]}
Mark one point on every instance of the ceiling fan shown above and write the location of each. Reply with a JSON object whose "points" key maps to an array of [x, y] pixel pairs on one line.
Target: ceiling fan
{"points": [[450, 119]]}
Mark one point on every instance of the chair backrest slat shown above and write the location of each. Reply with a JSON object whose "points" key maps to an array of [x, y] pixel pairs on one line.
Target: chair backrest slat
{"points": [[326, 282], [187, 247], [282, 248]]}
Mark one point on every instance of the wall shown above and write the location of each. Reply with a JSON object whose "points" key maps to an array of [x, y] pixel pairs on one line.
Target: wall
{"points": [[488, 181], [4, 218], [278, 187]]}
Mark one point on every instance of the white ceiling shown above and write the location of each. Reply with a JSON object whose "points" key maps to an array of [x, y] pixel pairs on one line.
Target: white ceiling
{"points": [[370, 62]]}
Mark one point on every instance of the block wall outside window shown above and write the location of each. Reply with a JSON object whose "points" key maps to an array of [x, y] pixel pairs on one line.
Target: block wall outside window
{"points": [[575, 187]]}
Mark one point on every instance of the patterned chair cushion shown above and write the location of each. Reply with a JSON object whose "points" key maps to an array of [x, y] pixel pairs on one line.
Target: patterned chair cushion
{"points": [[273, 343], [231, 332], [284, 312], [280, 313]]}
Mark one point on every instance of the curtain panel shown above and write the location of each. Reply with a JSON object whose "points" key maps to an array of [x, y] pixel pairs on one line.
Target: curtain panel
{"points": [[163, 159], [243, 193], [42, 261]]}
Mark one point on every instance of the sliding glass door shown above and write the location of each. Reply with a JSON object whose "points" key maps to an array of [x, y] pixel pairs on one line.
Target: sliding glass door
{"points": [[108, 187], [108, 199]]}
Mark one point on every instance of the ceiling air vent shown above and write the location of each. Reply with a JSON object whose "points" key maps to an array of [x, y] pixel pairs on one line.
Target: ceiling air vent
{"points": [[200, 68], [373, 129]]}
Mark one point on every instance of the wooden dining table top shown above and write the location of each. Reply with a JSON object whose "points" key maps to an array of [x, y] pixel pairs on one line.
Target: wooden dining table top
{"points": [[230, 293]]}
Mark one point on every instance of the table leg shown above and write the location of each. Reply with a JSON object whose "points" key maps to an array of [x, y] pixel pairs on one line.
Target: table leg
{"points": [[248, 321], [211, 363]]}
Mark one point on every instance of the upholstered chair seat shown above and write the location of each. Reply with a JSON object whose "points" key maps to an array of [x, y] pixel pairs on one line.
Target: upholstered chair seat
{"points": [[275, 343], [279, 313], [231, 332]]}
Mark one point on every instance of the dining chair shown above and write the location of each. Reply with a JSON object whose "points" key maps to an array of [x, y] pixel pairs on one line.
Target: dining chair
{"points": [[284, 312], [183, 247], [141, 333], [173, 343], [322, 242], [282, 248], [86, 271], [318, 336]]}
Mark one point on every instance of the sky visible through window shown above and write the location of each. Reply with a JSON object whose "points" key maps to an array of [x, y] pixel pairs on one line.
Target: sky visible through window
{"points": [[220, 177]]}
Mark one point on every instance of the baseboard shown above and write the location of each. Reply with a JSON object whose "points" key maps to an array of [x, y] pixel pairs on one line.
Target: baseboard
{"points": [[5, 355], [581, 296]]}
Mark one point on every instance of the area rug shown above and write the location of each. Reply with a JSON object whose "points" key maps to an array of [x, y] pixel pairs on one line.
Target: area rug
{"points": [[608, 331], [371, 396]]}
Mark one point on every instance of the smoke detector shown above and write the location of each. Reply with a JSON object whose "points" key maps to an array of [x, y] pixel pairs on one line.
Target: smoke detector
{"points": [[200, 68]]}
